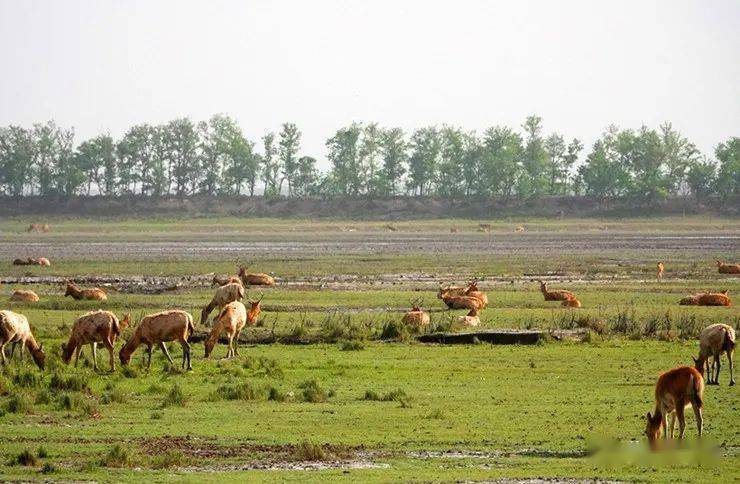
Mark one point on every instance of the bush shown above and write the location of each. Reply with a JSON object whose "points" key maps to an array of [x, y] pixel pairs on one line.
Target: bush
{"points": [[175, 397], [395, 330], [26, 458], [130, 372], [118, 456], [242, 391], [75, 383], [44, 397], [112, 395], [396, 395], [308, 451], [276, 395], [48, 468], [27, 379], [42, 452], [351, 345], [19, 403], [173, 458], [312, 392]]}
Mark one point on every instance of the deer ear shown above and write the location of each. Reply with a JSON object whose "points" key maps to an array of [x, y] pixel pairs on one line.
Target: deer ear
{"points": [[649, 417]]}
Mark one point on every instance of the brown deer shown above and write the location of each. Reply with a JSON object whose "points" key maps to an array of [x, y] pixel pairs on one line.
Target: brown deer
{"points": [[675, 390], [93, 294], [14, 328], [713, 341], [93, 328], [158, 329]]}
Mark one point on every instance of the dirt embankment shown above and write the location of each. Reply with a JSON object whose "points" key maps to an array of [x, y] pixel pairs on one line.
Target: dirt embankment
{"points": [[397, 208]]}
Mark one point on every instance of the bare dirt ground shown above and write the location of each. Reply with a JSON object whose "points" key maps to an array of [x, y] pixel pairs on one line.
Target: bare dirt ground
{"points": [[386, 244]]}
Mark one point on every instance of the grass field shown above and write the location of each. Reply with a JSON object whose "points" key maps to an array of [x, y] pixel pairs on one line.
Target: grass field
{"points": [[350, 404]]}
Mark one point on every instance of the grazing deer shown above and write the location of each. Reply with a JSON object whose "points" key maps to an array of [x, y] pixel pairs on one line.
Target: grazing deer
{"points": [[158, 329], [713, 341], [225, 294], [675, 390], [661, 270], [93, 328], [14, 328]]}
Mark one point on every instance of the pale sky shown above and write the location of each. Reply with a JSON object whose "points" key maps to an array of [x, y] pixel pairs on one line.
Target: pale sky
{"points": [[104, 65]]}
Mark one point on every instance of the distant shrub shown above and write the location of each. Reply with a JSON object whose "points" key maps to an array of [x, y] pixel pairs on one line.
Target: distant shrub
{"points": [[112, 394], [175, 397], [396, 395], [276, 395], [351, 345], [42, 452], [395, 330], [241, 391], [312, 392], [27, 378], [48, 468], [44, 397], [69, 401], [75, 383], [130, 372], [173, 458], [308, 451], [19, 403], [118, 456], [26, 458]]}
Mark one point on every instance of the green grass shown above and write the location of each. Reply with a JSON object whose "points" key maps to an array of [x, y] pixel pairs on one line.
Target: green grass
{"points": [[527, 411]]}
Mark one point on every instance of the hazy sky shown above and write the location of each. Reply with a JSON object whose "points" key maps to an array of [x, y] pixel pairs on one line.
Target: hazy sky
{"points": [[103, 65]]}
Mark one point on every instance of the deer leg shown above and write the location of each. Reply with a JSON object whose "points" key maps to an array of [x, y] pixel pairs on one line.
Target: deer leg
{"points": [[186, 355], [672, 423], [2, 352], [664, 424], [716, 375], [149, 354], [109, 345], [236, 343], [166, 353], [681, 419], [729, 358], [94, 346], [699, 418], [206, 311], [77, 351]]}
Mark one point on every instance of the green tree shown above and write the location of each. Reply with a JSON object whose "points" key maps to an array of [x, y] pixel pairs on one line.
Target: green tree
{"points": [[289, 144], [605, 172], [728, 177], [424, 160], [180, 148], [701, 178], [534, 181], [451, 180], [369, 156], [393, 152], [68, 175], [97, 159], [500, 162], [16, 156], [51, 144], [307, 177], [270, 166], [343, 155]]}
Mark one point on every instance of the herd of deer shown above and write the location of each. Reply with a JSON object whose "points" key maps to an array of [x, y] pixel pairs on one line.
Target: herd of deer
{"points": [[675, 390]]}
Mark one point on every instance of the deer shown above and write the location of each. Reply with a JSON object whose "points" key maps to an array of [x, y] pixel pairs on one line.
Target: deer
{"points": [[158, 329], [38, 228], [661, 270], [222, 281], [470, 319], [675, 390], [24, 295], [723, 268], [472, 291], [32, 261], [714, 299], [713, 341], [231, 319], [556, 295], [255, 279], [94, 294], [571, 303], [93, 328], [416, 317], [14, 329], [225, 294]]}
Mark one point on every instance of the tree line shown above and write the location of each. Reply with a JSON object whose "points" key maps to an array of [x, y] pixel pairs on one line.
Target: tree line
{"points": [[214, 157]]}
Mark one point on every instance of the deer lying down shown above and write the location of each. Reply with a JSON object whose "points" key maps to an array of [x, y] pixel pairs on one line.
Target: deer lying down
{"points": [[93, 294], [416, 317]]}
